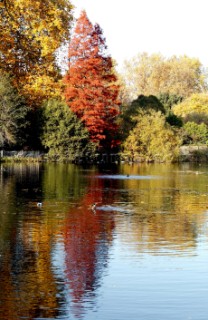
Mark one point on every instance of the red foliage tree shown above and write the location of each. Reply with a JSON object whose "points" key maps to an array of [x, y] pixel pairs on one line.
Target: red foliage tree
{"points": [[91, 89]]}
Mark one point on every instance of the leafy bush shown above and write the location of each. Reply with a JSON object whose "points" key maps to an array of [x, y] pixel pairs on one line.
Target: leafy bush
{"points": [[63, 134], [145, 103], [198, 133], [152, 139]]}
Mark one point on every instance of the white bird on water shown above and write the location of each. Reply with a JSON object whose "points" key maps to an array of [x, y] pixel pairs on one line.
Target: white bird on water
{"points": [[39, 204], [93, 207]]}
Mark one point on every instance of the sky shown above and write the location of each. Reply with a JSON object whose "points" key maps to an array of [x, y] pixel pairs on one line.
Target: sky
{"points": [[169, 27]]}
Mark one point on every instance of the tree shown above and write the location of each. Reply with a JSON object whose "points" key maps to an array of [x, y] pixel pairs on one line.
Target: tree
{"points": [[186, 76], [63, 134], [91, 89], [154, 75], [31, 31], [141, 74], [152, 139], [147, 103], [13, 112], [130, 113], [195, 104], [169, 100]]}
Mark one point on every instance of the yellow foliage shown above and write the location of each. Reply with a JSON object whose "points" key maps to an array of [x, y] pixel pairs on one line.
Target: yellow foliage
{"points": [[154, 74], [152, 139], [197, 103], [31, 32], [42, 87]]}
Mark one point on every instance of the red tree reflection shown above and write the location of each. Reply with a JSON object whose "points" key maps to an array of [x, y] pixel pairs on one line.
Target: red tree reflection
{"points": [[88, 235]]}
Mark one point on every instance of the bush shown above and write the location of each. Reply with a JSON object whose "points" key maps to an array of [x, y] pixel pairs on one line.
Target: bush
{"points": [[63, 133], [152, 139], [198, 133]]}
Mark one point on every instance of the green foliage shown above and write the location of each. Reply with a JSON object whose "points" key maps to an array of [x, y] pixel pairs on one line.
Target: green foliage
{"points": [[152, 139], [61, 181], [12, 113], [174, 121], [169, 100], [144, 103], [63, 134], [198, 133], [147, 103]]}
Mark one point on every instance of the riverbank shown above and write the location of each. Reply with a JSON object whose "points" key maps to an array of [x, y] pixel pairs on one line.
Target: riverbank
{"points": [[21, 155], [191, 153], [188, 153]]}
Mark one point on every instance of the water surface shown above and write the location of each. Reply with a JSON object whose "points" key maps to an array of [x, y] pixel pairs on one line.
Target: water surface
{"points": [[141, 253]]}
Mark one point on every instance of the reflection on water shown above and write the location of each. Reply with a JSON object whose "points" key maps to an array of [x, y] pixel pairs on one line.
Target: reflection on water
{"points": [[139, 252], [127, 176]]}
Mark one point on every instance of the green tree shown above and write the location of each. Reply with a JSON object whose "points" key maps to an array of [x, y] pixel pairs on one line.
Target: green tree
{"points": [[13, 113], [147, 103], [152, 139], [63, 133], [169, 100]]}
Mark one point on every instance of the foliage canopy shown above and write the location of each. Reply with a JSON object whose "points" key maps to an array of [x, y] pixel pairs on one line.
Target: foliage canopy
{"points": [[195, 104], [91, 89], [30, 33], [154, 75]]}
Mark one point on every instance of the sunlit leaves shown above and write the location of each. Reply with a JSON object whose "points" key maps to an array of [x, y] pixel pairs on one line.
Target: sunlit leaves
{"points": [[198, 133], [197, 103], [152, 139], [31, 31]]}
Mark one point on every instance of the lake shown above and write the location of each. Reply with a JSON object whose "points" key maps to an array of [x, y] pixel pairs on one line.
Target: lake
{"points": [[141, 252]]}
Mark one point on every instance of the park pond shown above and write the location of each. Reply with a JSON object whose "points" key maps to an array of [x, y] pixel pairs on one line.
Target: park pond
{"points": [[108, 243]]}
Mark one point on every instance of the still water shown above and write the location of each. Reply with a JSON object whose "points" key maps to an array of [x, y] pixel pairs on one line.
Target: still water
{"points": [[141, 253]]}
